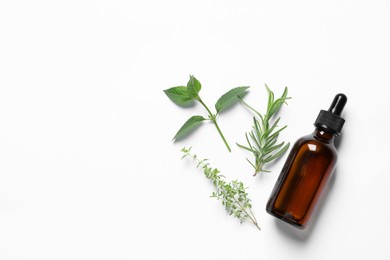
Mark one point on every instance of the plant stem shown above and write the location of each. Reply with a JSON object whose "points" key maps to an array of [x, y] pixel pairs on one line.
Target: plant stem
{"points": [[253, 221], [253, 215], [258, 169], [220, 133], [204, 105], [213, 118], [248, 106]]}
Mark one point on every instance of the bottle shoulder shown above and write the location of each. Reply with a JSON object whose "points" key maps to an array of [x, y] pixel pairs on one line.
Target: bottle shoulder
{"points": [[313, 138], [312, 144]]}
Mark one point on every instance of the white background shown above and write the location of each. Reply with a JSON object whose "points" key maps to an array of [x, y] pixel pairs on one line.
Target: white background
{"points": [[87, 166]]}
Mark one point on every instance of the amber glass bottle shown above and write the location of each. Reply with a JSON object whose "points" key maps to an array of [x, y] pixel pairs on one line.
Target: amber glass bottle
{"points": [[308, 169]]}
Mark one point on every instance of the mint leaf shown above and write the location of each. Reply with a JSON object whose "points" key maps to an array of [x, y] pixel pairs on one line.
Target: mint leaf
{"points": [[179, 95], [229, 98], [193, 87], [189, 126]]}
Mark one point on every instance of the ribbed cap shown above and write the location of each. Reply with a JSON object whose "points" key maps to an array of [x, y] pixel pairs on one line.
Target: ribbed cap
{"points": [[331, 119]]}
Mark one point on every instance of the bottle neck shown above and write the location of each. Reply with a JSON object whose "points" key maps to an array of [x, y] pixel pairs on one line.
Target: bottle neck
{"points": [[321, 134]]}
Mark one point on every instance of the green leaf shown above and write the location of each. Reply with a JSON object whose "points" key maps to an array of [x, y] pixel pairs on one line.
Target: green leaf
{"points": [[244, 147], [252, 135], [277, 132], [278, 154], [249, 143], [271, 141], [229, 98], [278, 103], [193, 87], [284, 95], [179, 95], [257, 129], [275, 124], [189, 125], [273, 148], [270, 97]]}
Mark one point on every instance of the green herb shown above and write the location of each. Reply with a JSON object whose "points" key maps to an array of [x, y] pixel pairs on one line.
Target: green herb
{"points": [[263, 138], [233, 194], [185, 95]]}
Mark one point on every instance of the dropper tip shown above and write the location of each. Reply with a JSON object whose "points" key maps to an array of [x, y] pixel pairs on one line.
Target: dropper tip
{"points": [[338, 104]]}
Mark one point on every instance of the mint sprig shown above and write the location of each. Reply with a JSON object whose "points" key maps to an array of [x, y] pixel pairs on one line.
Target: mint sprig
{"points": [[186, 95]]}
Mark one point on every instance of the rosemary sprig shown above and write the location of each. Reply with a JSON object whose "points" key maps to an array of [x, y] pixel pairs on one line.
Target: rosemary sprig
{"points": [[233, 194], [263, 137]]}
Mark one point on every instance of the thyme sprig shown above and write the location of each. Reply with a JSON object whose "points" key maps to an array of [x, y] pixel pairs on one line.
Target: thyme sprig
{"points": [[232, 194], [263, 137]]}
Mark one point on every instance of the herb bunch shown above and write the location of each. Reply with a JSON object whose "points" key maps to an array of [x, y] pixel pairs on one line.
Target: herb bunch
{"points": [[185, 95], [262, 140], [232, 194]]}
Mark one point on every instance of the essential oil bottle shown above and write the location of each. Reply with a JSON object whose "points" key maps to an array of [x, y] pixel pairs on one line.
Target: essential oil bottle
{"points": [[308, 169]]}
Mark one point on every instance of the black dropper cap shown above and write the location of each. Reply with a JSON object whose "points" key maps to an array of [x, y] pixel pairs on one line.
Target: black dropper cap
{"points": [[331, 120]]}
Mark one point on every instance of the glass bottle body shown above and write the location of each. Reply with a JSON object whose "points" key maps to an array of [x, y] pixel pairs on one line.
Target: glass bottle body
{"points": [[304, 176]]}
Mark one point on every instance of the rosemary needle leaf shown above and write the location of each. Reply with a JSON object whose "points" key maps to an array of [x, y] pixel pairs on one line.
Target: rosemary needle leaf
{"points": [[251, 163], [278, 154], [244, 147], [269, 150]]}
